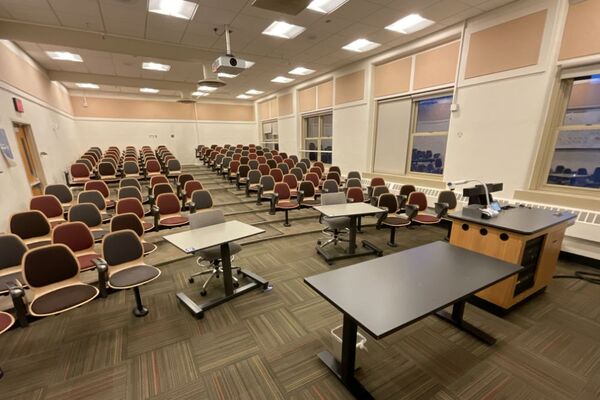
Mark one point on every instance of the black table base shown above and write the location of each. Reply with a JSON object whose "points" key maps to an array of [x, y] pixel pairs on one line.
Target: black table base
{"points": [[456, 319], [333, 253]]}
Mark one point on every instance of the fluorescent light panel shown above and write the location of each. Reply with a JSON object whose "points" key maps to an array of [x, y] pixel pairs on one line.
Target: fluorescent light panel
{"points": [[243, 96], [88, 85], [254, 92], [282, 79], [301, 71], [156, 66], [64, 56], [149, 90], [361, 45], [283, 30], [173, 8], [206, 88], [200, 94], [326, 6], [410, 24], [226, 75]]}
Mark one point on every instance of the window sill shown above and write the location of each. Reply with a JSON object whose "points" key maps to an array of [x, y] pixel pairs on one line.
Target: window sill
{"points": [[560, 199], [431, 182]]}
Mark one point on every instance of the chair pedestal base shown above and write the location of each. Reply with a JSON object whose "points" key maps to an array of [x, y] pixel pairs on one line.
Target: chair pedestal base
{"points": [[1, 373], [139, 310]]}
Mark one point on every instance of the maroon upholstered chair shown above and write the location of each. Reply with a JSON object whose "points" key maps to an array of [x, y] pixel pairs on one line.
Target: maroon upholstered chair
{"points": [[79, 173], [77, 237], [102, 187], [292, 183], [189, 188], [50, 206], [419, 200], [282, 200], [392, 219], [277, 174], [167, 212], [31, 226], [131, 205], [132, 221]]}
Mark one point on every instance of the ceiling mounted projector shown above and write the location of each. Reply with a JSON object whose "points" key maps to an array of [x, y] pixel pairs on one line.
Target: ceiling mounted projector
{"points": [[229, 63]]}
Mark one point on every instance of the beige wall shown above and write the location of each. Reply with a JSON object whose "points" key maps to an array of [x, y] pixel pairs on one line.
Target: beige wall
{"points": [[307, 99], [436, 67], [101, 107], [506, 46], [581, 36], [392, 77], [268, 109], [350, 87]]}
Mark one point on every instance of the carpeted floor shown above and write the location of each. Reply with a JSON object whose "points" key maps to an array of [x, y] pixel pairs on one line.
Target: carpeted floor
{"points": [[264, 345]]}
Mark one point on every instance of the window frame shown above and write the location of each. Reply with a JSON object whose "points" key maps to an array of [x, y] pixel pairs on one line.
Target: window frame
{"points": [[321, 116], [553, 126], [413, 132], [271, 144]]}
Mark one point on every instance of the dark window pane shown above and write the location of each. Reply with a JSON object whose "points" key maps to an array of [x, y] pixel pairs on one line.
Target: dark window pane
{"points": [[327, 125], [428, 154], [312, 127], [326, 158], [576, 160], [326, 144], [433, 115], [310, 144]]}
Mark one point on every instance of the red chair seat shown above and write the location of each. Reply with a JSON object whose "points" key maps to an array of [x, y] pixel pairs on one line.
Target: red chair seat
{"points": [[427, 219], [63, 298], [6, 321], [396, 221], [147, 225], [85, 261], [287, 204], [174, 221]]}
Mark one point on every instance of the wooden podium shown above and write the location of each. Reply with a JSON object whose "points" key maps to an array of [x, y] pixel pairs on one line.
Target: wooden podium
{"points": [[528, 237]]}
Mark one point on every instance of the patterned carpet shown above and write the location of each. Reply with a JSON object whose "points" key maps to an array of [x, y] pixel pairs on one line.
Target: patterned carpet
{"points": [[264, 345]]}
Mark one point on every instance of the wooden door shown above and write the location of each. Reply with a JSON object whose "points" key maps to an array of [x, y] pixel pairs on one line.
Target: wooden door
{"points": [[30, 160]]}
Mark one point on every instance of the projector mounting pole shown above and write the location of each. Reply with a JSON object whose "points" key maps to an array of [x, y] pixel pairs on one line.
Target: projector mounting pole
{"points": [[227, 41]]}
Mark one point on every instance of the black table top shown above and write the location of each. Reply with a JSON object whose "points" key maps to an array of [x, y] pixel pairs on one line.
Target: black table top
{"points": [[386, 294], [520, 219]]}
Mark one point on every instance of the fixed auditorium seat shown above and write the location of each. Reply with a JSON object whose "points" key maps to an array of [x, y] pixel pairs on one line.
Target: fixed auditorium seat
{"points": [[186, 194], [253, 181], [50, 206], [90, 215], [181, 181], [310, 194], [79, 174], [282, 200], [393, 219], [419, 199], [167, 212], [201, 200], [265, 189], [32, 227], [152, 168], [62, 193], [96, 198], [132, 205], [77, 237], [12, 249], [133, 222], [102, 187]]}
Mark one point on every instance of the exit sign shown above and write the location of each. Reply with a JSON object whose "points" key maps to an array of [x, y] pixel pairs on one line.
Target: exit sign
{"points": [[18, 105]]}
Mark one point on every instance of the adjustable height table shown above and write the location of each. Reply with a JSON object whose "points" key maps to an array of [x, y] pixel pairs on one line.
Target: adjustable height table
{"points": [[399, 290], [352, 210], [214, 235]]}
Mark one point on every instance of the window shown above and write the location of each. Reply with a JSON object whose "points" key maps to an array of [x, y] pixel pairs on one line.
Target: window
{"points": [[317, 144], [575, 159], [429, 135], [270, 135]]}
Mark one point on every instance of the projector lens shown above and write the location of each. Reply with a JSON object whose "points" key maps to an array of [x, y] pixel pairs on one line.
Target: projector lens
{"points": [[233, 62]]}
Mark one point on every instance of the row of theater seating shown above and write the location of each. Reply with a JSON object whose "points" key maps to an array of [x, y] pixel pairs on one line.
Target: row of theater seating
{"points": [[113, 165], [289, 183]]}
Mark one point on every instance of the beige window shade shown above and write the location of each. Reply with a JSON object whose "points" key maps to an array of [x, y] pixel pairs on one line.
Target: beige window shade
{"points": [[325, 95], [307, 99], [350, 87], [392, 77], [264, 111], [582, 30], [391, 143], [436, 67], [274, 105], [510, 45], [285, 104]]}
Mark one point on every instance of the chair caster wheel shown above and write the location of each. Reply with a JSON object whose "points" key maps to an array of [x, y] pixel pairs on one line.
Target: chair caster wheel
{"points": [[203, 293], [191, 280], [236, 284], [319, 242]]}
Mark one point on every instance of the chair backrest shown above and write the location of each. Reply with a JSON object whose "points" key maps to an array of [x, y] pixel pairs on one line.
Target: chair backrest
{"points": [[354, 183], [271, 163], [46, 265], [191, 186], [254, 176], [252, 155], [131, 168], [75, 235], [282, 190], [314, 178], [406, 190], [87, 213], [302, 167], [100, 186], [130, 192], [379, 190], [267, 182], [152, 166], [86, 161], [291, 181], [29, 224], [320, 165], [284, 168], [317, 171], [161, 188], [12, 250], [121, 247], [277, 174], [79, 171], [308, 188], [278, 159], [48, 204], [333, 198], [356, 194], [335, 168], [107, 169], [225, 162], [290, 163], [93, 197], [268, 156], [335, 176], [448, 197], [306, 162], [174, 165], [389, 201], [202, 199], [418, 199], [297, 172], [184, 178], [377, 181], [294, 158], [264, 169], [155, 180], [243, 170], [130, 205], [168, 203], [234, 166], [244, 160], [206, 218], [130, 182], [127, 221], [330, 186], [353, 175], [253, 164], [261, 159]]}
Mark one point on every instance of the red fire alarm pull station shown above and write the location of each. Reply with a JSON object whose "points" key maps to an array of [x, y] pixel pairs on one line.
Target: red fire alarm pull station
{"points": [[18, 105]]}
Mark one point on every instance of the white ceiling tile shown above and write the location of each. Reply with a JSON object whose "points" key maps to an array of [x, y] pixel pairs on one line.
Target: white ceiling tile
{"points": [[492, 4], [444, 9], [354, 10], [199, 40], [87, 22], [213, 16]]}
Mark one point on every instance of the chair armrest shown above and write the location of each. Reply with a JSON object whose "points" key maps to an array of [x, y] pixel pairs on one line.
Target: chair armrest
{"points": [[102, 269], [274, 200], [192, 207], [300, 196], [350, 200], [381, 218], [402, 200], [441, 209], [411, 210], [17, 294]]}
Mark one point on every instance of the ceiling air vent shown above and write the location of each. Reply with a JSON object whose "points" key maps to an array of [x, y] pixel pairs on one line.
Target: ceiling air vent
{"points": [[290, 7]]}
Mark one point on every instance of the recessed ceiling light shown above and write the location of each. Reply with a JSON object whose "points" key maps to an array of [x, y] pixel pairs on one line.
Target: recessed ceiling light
{"points": [[205, 88], [243, 96], [283, 30], [409, 24], [361, 45], [64, 56], [282, 79], [173, 8], [200, 94], [254, 92], [88, 85], [326, 6], [226, 75], [301, 71], [149, 90], [156, 66]]}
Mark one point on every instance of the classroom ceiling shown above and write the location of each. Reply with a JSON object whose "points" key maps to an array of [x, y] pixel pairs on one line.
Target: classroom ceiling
{"points": [[114, 37]]}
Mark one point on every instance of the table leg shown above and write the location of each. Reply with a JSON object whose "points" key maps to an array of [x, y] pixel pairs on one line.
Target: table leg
{"points": [[226, 264], [352, 236], [457, 319]]}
